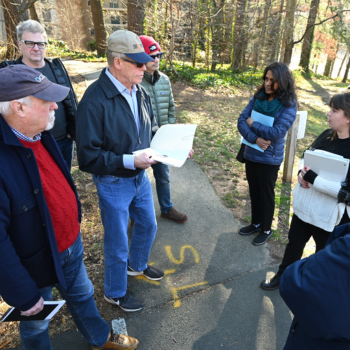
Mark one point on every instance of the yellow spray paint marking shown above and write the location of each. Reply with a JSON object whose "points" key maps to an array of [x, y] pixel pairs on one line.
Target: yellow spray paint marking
{"points": [[175, 290], [157, 283], [182, 254], [169, 272]]}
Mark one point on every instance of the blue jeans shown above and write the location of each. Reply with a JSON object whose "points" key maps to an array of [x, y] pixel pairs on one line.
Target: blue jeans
{"points": [[80, 302], [118, 198], [66, 147], [162, 176]]}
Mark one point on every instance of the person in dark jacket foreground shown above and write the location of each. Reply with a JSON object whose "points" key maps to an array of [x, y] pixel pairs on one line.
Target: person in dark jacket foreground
{"points": [[32, 42], [115, 118], [158, 87], [316, 290], [40, 214], [275, 98]]}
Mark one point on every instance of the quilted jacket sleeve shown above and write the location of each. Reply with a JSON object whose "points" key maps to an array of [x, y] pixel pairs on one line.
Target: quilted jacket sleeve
{"points": [[243, 127]]}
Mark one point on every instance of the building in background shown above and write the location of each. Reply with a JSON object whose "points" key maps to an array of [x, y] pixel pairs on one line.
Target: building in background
{"points": [[71, 20]]}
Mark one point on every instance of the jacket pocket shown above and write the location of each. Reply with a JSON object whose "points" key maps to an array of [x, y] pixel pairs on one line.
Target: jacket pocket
{"points": [[40, 267], [27, 228]]}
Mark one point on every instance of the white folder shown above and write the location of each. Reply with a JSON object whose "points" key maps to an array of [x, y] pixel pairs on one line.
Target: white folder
{"points": [[328, 165]]}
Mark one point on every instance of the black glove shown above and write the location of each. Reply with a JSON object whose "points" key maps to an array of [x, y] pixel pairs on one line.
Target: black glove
{"points": [[344, 196], [310, 176]]}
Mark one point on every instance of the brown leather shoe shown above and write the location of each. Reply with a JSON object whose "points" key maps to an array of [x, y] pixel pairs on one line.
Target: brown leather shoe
{"points": [[119, 342], [175, 215]]}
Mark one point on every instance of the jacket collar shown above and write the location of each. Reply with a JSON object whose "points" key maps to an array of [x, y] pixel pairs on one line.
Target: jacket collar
{"points": [[109, 88], [7, 134], [151, 79]]}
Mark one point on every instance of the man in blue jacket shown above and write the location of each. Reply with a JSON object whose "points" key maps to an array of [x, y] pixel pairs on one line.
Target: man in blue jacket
{"points": [[316, 290], [40, 241], [115, 118]]}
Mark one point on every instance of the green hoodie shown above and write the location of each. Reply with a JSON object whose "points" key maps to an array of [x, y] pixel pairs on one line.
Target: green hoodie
{"points": [[159, 89]]}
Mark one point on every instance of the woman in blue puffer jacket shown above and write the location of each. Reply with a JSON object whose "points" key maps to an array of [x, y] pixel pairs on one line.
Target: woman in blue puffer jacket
{"points": [[275, 98]]}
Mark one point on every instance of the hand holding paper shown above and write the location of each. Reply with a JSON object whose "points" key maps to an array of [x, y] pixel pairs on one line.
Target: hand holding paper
{"points": [[144, 160], [171, 145]]}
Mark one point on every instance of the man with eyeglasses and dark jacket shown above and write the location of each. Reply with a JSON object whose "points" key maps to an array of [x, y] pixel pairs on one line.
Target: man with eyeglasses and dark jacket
{"points": [[159, 89], [32, 42]]}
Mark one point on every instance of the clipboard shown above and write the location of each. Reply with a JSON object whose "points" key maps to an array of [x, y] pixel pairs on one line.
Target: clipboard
{"points": [[50, 309], [328, 165], [262, 119]]}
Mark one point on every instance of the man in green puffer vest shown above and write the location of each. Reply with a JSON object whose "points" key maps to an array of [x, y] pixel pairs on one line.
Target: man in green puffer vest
{"points": [[158, 87]]}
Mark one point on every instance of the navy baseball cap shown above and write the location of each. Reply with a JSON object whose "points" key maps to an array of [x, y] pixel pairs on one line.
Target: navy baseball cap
{"points": [[129, 44], [20, 81]]}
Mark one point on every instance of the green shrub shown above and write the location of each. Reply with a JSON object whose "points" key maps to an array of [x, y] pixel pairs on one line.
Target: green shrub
{"points": [[222, 79]]}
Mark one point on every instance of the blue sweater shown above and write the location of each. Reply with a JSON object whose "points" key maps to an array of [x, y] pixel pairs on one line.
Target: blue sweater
{"points": [[274, 153], [29, 257], [317, 290]]}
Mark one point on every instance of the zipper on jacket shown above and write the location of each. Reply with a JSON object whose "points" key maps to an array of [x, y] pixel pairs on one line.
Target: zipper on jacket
{"points": [[155, 101]]}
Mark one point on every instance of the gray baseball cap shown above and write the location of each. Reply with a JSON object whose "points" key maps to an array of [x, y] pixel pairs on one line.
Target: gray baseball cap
{"points": [[20, 81], [129, 44]]}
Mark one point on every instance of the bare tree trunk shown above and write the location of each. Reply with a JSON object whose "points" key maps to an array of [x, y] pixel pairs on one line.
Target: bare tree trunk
{"points": [[217, 32], [307, 43], [14, 12], [261, 42], [238, 35], [100, 30], [346, 72], [274, 36], [327, 68], [136, 16], [333, 60], [342, 63], [289, 31], [33, 13]]}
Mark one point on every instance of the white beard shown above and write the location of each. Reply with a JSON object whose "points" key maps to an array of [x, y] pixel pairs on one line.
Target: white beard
{"points": [[51, 121]]}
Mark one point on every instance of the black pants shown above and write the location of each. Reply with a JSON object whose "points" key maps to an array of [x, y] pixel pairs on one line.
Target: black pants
{"points": [[299, 234], [261, 180]]}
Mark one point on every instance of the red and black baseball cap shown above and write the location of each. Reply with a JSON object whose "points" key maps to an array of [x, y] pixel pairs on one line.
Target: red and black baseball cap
{"points": [[149, 44], [20, 81]]}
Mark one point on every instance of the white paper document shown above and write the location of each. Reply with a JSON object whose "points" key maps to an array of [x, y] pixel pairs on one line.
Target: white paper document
{"points": [[171, 144], [328, 165], [262, 119]]}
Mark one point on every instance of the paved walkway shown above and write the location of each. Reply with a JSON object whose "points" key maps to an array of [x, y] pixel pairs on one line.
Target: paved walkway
{"points": [[210, 297]]}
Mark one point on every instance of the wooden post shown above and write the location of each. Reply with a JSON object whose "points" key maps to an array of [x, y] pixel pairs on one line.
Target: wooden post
{"points": [[291, 145]]}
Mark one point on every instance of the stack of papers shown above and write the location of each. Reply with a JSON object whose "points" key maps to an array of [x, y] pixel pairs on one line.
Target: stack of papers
{"points": [[171, 144]]}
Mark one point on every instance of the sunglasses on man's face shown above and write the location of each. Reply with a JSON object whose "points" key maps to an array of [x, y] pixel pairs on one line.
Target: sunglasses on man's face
{"points": [[137, 64], [31, 44], [158, 55]]}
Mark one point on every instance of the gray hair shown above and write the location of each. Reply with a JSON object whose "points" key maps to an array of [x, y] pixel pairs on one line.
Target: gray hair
{"points": [[5, 106], [111, 55], [32, 27]]}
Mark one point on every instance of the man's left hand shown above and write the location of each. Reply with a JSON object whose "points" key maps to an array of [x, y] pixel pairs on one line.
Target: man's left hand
{"points": [[190, 155]]}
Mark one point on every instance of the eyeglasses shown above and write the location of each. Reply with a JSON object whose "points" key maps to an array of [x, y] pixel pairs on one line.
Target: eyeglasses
{"points": [[158, 55], [137, 64], [31, 44]]}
